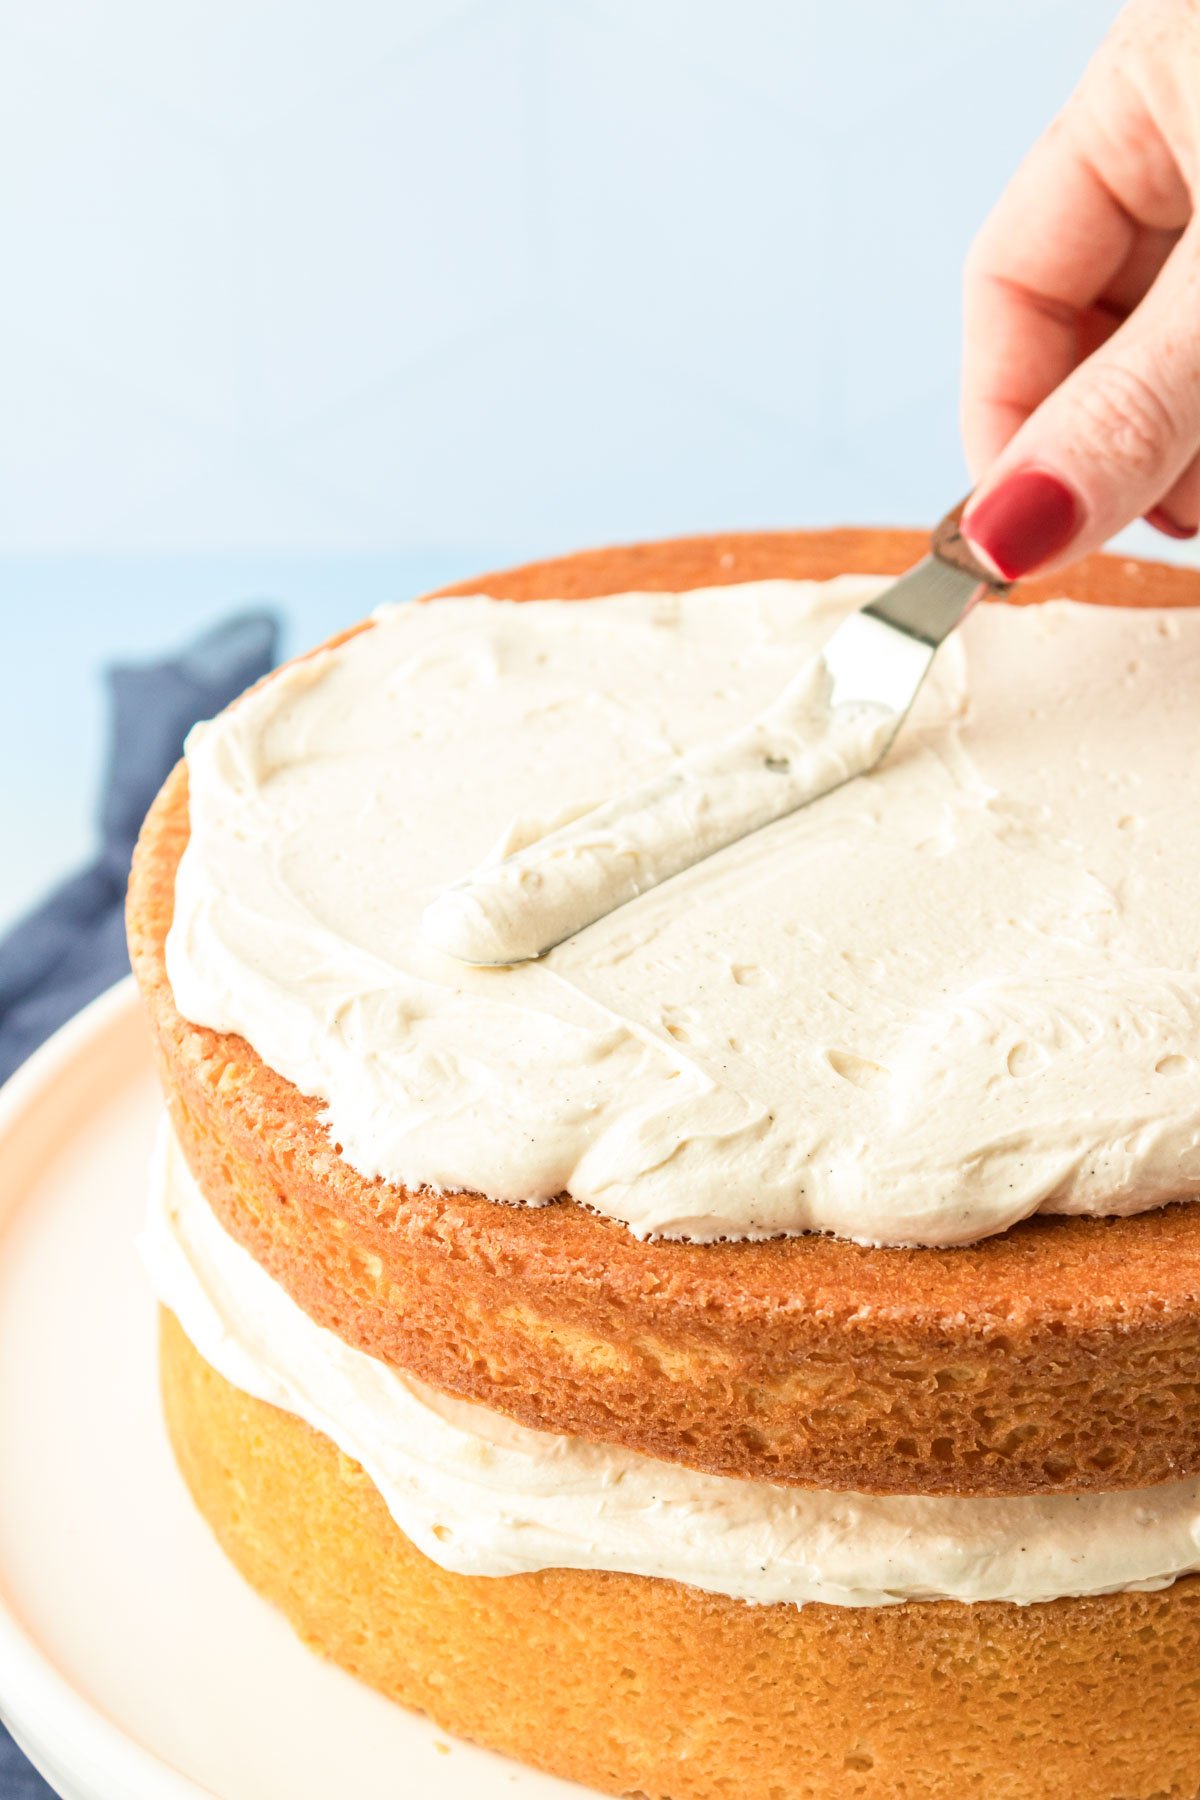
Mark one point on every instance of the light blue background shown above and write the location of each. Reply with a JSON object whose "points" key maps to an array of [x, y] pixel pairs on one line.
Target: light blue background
{"points": [[328, 302]]}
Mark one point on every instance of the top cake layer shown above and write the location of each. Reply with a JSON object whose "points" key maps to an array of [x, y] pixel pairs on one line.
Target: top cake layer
{"points": [[958, 991], [1061, 1355]]}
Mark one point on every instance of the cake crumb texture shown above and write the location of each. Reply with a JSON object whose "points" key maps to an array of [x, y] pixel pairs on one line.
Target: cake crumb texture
{"points": [[1061, 1356], [636, 1686]]}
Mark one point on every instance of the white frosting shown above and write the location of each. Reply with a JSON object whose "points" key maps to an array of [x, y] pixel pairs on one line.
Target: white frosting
{"points": [[481, 1495], [957, 990], [797, 750]]}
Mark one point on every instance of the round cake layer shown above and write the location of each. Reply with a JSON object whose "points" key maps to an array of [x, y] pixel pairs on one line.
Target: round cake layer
{"points": [[961, 990], [1063, 1355], [632, 1684], [481, 1495]]}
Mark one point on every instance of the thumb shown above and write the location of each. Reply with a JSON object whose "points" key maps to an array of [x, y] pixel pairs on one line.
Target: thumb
{"points": [[1108, 444]]}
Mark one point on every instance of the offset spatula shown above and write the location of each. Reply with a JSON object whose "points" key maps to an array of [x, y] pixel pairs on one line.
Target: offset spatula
{"points": [[835, 721]]}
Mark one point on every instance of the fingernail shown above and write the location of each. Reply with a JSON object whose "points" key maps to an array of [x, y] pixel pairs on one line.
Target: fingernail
{"points": [[1162, 521], [1024, 521]]}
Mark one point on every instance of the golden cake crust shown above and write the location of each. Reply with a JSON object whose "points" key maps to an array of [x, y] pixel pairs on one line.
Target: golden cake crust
{"points": [[1062, 1355], [633, 1685]]}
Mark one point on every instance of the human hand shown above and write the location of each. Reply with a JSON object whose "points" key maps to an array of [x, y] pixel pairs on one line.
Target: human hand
{"points": [[1081, 380]]}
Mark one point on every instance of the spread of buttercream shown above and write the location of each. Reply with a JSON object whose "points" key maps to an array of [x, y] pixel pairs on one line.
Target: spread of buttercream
{"points": [[955, 991], [801, 747], [481, 1495]]}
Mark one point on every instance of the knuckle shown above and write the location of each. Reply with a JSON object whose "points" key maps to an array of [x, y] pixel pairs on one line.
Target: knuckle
{"points": [[1126, 419]]}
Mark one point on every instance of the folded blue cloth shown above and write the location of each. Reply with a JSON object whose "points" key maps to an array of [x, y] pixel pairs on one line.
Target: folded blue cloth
{"points": [[72, 946], [19, 1780]]}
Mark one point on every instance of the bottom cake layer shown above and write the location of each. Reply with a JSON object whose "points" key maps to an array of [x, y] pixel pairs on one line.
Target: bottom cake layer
{"points": [[640, 1686]]}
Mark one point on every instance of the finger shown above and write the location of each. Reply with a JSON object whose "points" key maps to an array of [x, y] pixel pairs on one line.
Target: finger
{"points": [[1048, 251], [1109, 442], [1091, 213], [1177, 513], [1091, 328], [1140, 270], [1124, 292]]}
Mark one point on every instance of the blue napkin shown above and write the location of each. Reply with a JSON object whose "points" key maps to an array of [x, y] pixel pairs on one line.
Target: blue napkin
{"points": [[19, 1780], [72, 946]]}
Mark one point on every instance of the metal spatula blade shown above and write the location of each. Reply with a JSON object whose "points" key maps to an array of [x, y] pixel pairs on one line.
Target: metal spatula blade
{"points": [[835, 721]]}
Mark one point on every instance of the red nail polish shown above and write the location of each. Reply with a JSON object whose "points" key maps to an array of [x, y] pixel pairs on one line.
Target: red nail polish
{"points": [[1027, 519], [1162, 521]]}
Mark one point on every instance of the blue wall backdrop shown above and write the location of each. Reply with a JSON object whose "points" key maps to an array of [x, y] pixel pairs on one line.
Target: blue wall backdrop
{"points": [[409, 273], [329, 302]]}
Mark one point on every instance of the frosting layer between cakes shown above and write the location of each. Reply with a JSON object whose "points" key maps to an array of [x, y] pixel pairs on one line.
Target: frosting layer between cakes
{"points": [[481, 1495], [956, 992]]}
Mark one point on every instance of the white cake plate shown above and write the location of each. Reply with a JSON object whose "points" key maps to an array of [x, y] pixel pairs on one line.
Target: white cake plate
{"points": [[134, 1663]]}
